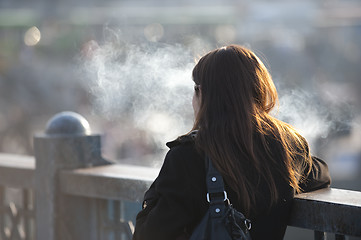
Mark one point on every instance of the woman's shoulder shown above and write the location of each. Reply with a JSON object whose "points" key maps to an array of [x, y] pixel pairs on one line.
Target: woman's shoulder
{"points": [[183, 151]]}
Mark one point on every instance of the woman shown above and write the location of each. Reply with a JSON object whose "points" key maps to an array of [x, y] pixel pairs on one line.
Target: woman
{"points": [[263, 160]]}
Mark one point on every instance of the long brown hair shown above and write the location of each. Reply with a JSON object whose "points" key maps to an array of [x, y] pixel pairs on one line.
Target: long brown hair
{"points": [[235, 127]]}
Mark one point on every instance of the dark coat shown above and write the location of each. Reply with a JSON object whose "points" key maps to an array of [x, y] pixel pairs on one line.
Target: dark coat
{"points": [[176, 201]]}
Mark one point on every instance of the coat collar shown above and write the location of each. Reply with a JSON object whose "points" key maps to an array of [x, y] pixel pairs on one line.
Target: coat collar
{"points": [[189, 137]]}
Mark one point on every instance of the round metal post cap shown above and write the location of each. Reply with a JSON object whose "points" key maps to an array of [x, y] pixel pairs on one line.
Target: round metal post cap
{"points": [[67, 123]]}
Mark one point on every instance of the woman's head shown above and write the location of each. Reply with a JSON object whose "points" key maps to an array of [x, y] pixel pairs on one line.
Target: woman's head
{"points": [[232, 80]]}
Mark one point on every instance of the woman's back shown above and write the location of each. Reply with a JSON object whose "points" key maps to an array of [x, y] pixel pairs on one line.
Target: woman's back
{"points": [[266, 221], [177, 199]]}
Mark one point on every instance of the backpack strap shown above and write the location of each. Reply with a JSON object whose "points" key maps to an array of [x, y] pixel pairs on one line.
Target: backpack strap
{"points": [[215, 184]]}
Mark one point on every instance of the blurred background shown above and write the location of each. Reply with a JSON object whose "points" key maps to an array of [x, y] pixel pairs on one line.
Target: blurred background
{"points": [[126, 67]]}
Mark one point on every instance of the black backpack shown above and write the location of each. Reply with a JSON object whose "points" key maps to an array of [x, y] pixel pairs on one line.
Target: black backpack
{"points": [[221, 221]]}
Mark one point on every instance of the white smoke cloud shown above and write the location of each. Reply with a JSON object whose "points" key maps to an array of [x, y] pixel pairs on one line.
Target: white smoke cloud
{"points": [[299, 109], [151, 84], [311, 116]]}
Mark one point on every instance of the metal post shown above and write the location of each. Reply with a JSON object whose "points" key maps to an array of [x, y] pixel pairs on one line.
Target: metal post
{"points": [[28, 207], [66, 144], [320, 235], [340, 237], [2, 213]]}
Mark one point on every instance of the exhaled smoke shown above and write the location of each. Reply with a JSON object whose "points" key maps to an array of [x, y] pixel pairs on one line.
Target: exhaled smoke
{"points": [[312, 117], [299, 109], [148, 84]]}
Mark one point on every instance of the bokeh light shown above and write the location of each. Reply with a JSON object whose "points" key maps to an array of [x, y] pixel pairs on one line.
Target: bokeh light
{"points": [[32, 36]]}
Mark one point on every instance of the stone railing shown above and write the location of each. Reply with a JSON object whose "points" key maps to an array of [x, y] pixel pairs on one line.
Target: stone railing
{"points": [[68, 191]]}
